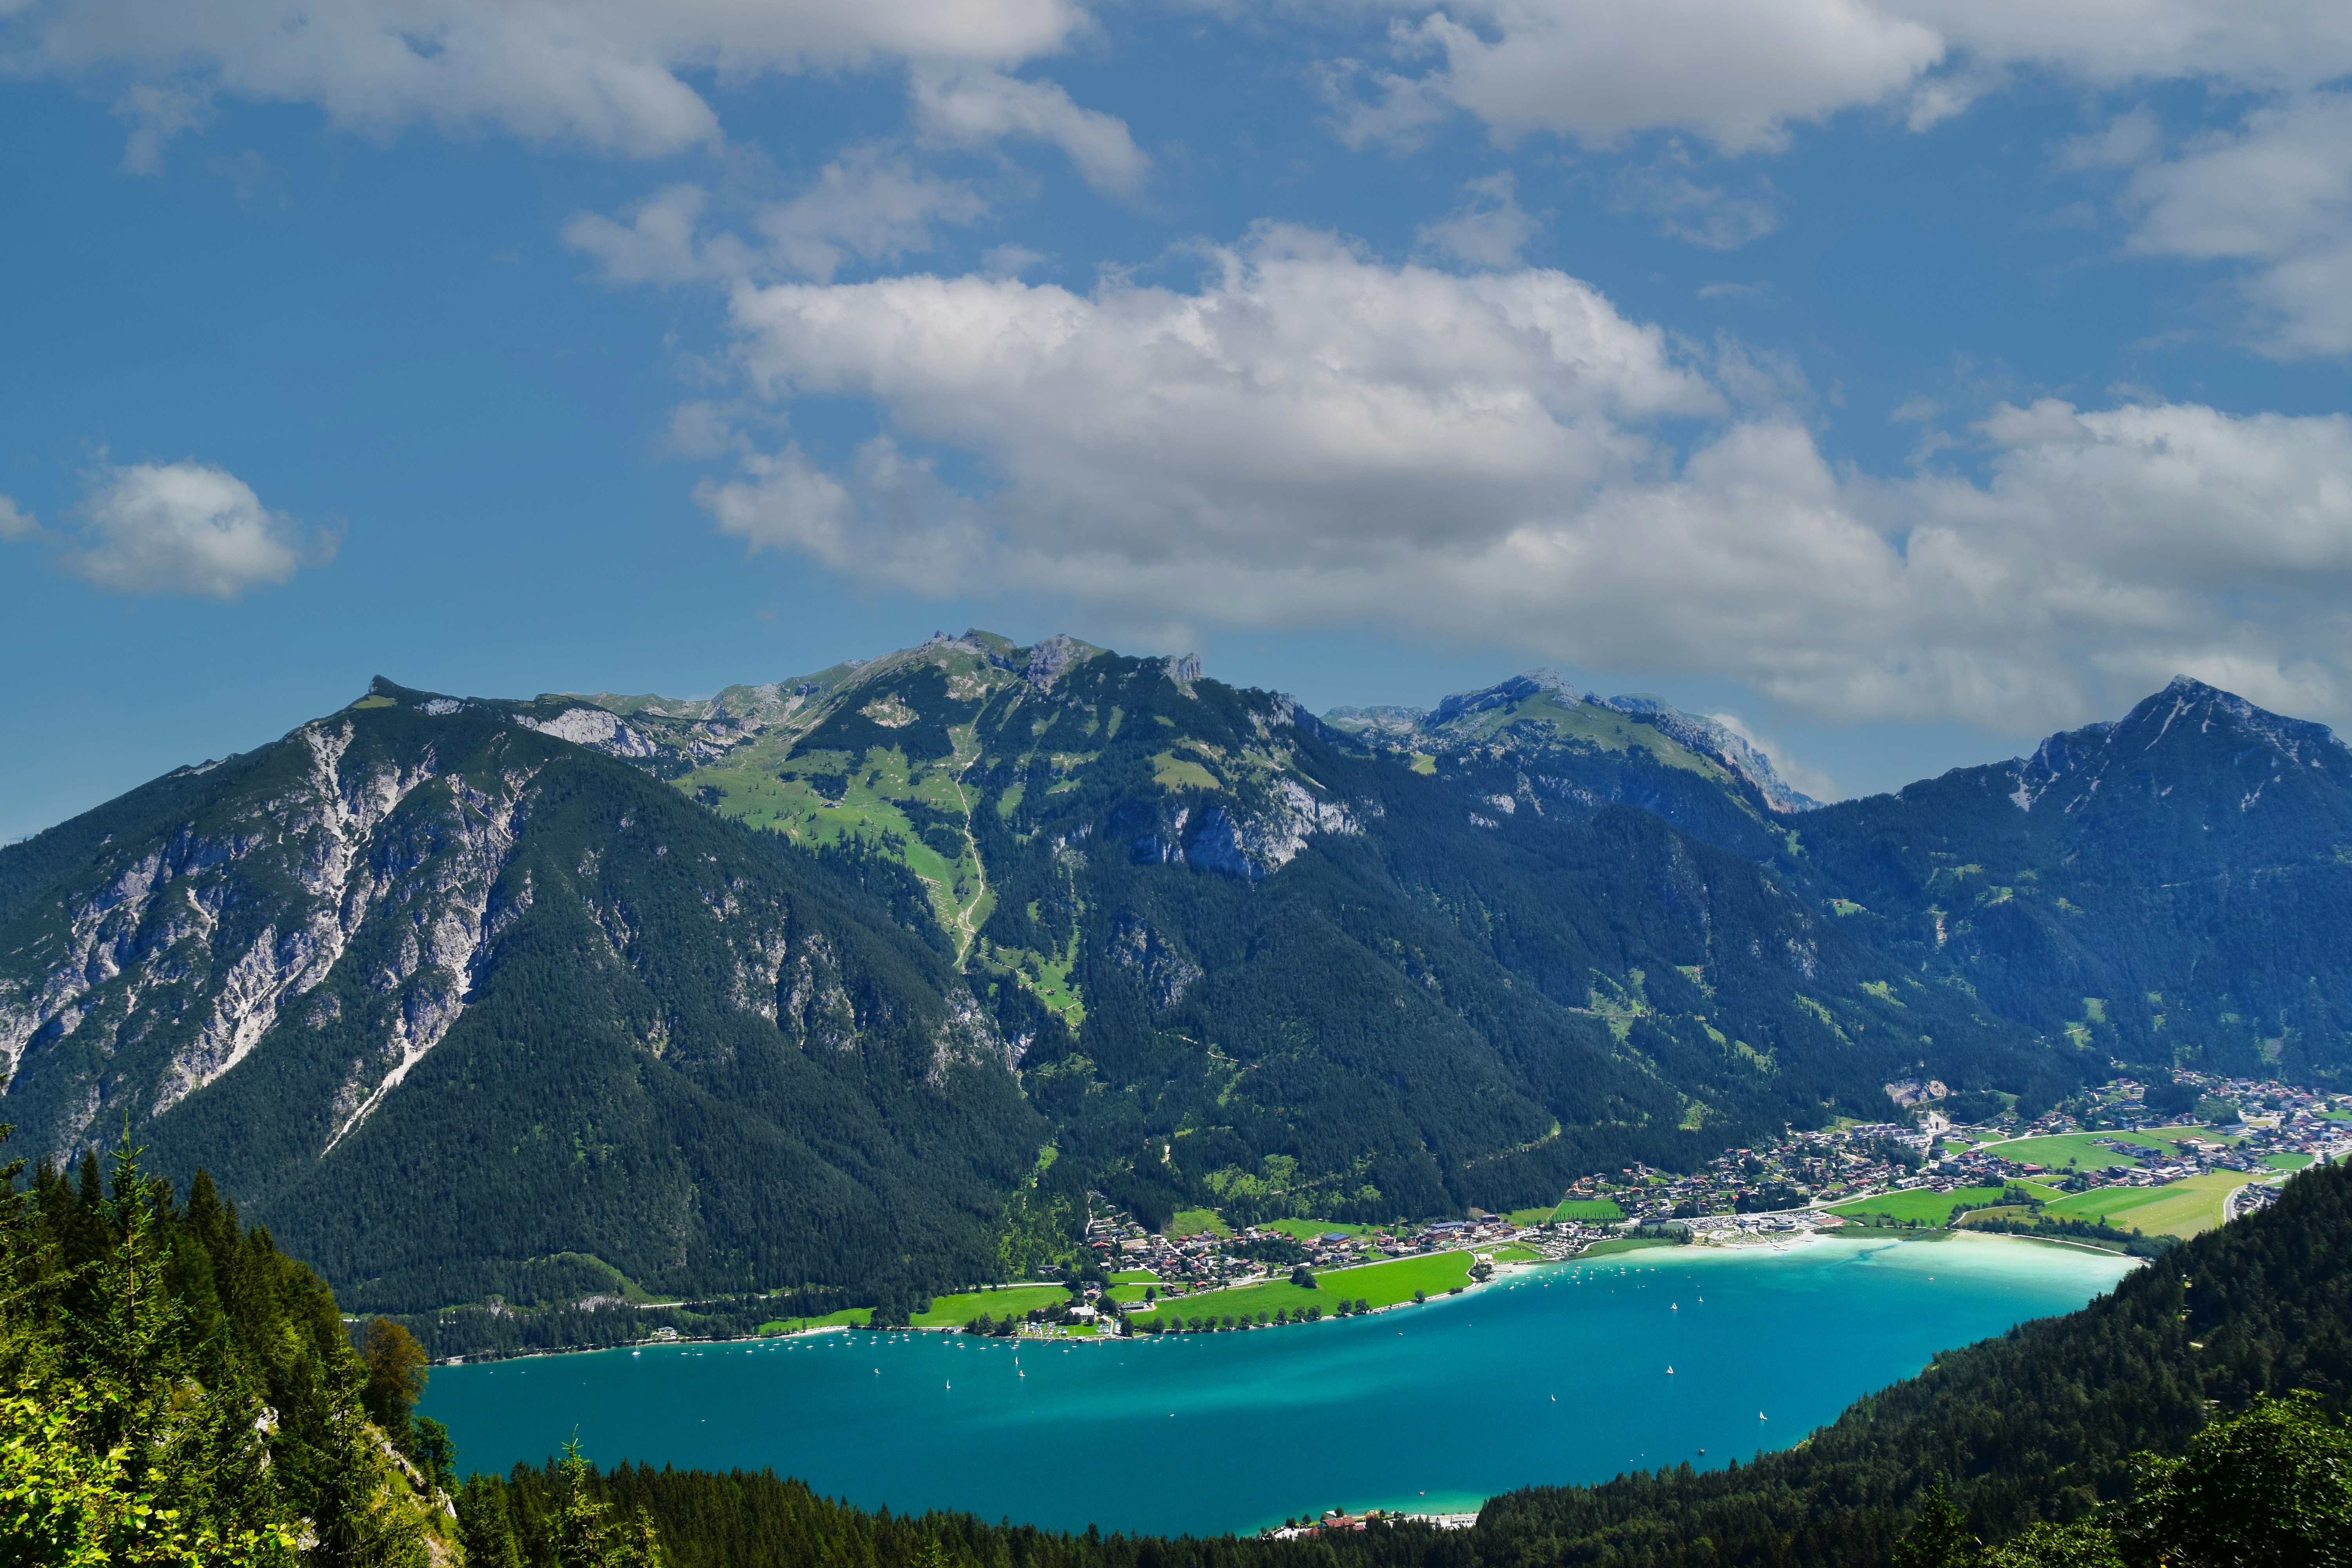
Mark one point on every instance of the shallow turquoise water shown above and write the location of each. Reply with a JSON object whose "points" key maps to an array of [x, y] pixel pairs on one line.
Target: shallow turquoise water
{"points": [[1559, 1374]]}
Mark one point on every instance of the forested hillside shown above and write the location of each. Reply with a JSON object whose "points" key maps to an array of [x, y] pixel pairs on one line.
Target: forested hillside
{"points": [[2174, 888], [177, 1391], [463, 1010], [860, 983], [1257, 962]]}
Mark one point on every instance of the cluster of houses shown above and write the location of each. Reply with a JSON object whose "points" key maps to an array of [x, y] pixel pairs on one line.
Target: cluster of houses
{"points": [[1206, 1260], [1778, 1189], [1340, 1521]]}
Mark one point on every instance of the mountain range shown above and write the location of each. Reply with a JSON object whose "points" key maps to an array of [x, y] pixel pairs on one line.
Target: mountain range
{"points": [[866, 979]]}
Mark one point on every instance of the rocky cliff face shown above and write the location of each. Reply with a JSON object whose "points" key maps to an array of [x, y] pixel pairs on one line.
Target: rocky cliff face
{"points": [[792, 983], [271, 979]]}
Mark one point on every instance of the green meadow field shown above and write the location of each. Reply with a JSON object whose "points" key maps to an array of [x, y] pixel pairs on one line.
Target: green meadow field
{"points": [[1382, 1284]]}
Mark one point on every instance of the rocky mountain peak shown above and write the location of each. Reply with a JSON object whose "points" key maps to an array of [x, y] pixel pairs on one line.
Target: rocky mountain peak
{"points": [[2189, 733], [1519, 688], [1052, 658], [1718, 740]]}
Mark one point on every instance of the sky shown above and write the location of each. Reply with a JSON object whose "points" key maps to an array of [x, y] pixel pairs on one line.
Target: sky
{"points": [[1900, 380]]}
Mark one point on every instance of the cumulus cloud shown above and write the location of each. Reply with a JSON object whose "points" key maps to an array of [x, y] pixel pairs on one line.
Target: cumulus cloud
{"points": [[156, 112], [2271, 197], [2113, 43], [1310, 436], [602, 74], [964, 106], [869, 205], [2274, 194], [653, 241], [184, 527], [1740, 73], [1737, 72]]}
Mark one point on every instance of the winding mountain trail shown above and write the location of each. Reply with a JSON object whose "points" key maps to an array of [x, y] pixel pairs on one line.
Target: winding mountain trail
{"points": [[967, 933]]}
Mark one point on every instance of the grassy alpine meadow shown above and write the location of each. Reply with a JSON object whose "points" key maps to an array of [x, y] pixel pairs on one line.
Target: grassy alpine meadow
{"points": [[1199, 1222], [2085, 1148], [2183, 1208], [1589, 1208], [954, 1311], [1379, 1284], [847, 1318], [1308, 1229], [1926, 1207]]}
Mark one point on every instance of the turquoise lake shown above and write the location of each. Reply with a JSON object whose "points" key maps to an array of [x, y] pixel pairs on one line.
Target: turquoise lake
{"points": [[1559, 1373]]}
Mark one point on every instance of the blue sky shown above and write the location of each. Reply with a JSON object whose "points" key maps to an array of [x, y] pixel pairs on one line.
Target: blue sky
{"points": [[1903, 380]]}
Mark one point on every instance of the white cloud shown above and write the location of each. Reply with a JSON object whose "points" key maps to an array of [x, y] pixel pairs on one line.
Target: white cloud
{"points": [[603, 74], [15, 523], [2272, 196], [965, 107], [1488, 229], [184, 527], [2276, 194], [869, 205], [2127, 139], [656, 244], [2113, 43], [1740, 73], [1312, 437], [1012, 260], [1707, 215], [1737, 72]]}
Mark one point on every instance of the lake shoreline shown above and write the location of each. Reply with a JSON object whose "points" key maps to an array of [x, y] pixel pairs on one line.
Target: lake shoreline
{"points": [[1618, 1247], [1411, 1413]]}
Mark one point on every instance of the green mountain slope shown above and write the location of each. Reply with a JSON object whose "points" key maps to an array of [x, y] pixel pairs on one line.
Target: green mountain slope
{"points": [[1253, 959], [860, 979], [2173, 889], [437, 996]]}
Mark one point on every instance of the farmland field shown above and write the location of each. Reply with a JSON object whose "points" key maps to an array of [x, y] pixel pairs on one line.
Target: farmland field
{"points": [[1382, 1284], [2183, 1208], [1198, 1222], [849, 1316], [1926, 1207], [954, 1311], [2085, 1148]]}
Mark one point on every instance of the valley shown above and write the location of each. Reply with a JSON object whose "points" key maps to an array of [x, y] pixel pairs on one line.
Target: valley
{"points": [[836, 994]]}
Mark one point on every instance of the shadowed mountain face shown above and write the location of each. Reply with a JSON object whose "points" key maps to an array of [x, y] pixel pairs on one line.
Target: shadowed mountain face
{"points": [[2174, 887], [844, 979]]}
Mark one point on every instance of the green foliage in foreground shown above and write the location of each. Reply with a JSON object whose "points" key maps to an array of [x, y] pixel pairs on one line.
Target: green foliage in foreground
{"points": [[177, 1391], [2271, 1488]]}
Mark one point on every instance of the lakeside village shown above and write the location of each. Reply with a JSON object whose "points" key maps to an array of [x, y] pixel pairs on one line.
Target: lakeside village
{"points": [[2107, 1169], [2127, 1167]]}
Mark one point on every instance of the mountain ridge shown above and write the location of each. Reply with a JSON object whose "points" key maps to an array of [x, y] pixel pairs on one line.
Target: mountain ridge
{"points": [[955, 936]]}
